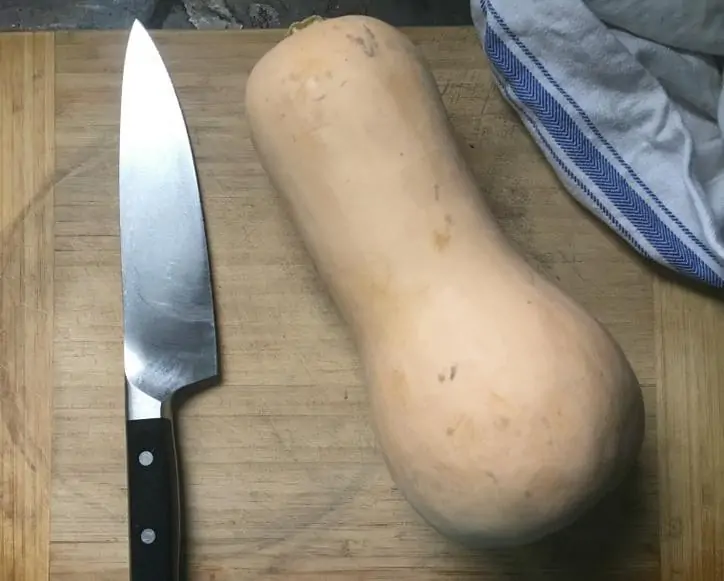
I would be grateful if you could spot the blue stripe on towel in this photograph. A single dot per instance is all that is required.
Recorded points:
(569, 138)
(612, 150)
(595, 200)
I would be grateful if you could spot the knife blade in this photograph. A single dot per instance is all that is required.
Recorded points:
(169, 330)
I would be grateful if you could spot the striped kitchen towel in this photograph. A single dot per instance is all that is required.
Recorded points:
(632, 125)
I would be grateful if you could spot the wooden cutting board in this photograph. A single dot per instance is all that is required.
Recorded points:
(283, 476)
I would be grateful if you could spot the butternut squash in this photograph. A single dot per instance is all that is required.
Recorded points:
(503, 409)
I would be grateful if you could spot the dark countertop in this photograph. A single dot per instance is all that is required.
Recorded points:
(101, 14)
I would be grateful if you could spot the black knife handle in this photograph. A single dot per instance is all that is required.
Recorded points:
(153, 500)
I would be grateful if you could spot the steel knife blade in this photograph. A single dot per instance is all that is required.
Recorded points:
(169, 330)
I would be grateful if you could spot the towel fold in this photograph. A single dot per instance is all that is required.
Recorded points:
(626, 101)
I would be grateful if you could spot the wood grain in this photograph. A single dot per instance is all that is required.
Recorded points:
(282, 473)
(26, 302)
(690, 341)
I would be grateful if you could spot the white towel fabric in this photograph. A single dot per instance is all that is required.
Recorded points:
(625, 100)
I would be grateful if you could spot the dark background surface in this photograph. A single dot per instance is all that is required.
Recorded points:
(99, 14)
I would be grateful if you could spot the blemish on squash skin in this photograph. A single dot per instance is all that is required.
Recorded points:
(360, 41)
(368, 43)
(498, 398)
(442, 239)
(443, 375)
(369, 32)
(502, 423)
(462, 420)
(490, 474)
(436, 189)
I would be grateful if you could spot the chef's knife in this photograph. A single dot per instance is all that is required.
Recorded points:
(168, 316)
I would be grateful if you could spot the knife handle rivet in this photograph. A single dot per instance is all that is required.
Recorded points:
(148, 536)
(145, 458)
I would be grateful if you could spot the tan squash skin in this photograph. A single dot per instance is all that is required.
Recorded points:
(502, 408)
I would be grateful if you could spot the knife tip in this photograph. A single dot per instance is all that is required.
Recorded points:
(137, 29)
(139, 41)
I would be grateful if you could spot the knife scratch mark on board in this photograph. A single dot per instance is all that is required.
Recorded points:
(303, 361)
(306, 516)
(221, 189)
(10, 412)
(275, 432)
